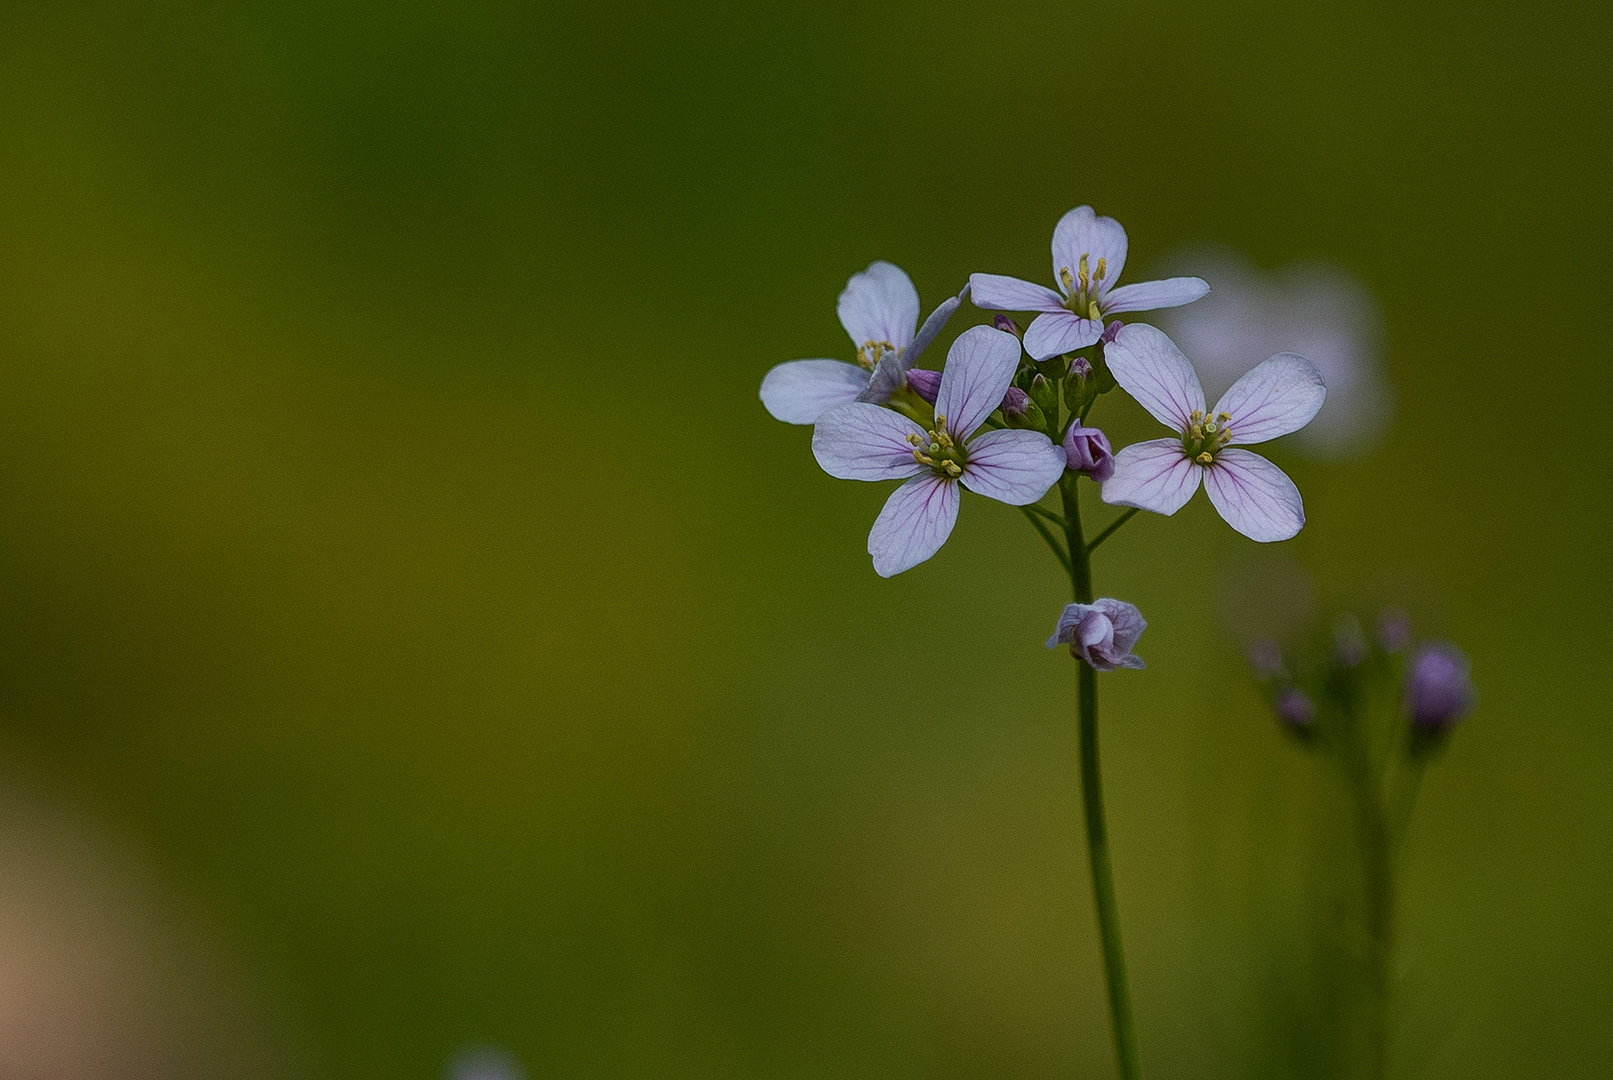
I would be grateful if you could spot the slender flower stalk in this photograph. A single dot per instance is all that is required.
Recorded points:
(1103, 880)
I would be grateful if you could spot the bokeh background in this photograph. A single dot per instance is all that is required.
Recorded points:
(417, 642)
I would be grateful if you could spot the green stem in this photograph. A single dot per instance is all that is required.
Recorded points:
(1113, 525)
(1375, 831)
(1103, 882)
(1045, 514)
(1052, 541)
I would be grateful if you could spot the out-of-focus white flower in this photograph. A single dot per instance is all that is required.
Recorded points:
(484, 1063)
(1321, 311)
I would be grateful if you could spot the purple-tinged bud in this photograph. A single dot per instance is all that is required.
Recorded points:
(1080, 368)
(1294, 708)
(926, 384)
(1111, 332)
(1021, 411)
(1438, 690)
(1349, 643)
(1003, 322)
(1266, 659)
(1086, 450)
(1394, 629)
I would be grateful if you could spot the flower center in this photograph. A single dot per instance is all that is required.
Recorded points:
(869, 355)
(1081, 288)
(940, 451)
(1204, 436)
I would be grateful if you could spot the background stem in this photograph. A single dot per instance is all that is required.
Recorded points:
(1103, 884)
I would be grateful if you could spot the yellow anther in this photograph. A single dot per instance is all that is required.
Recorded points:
(923, 459)
(1093, 312)
(951, 468)
(1196, 415)
(1086, 279)
(1224, 418)
(944, 439)
(1097, 277)
(914, 440)
(1205, 458)
(940, 421)
(1066, 279)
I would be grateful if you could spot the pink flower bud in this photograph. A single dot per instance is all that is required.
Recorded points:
(926, 384)
(1087, 451)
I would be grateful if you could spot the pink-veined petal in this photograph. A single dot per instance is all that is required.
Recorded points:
(1254, 496)
(1153, 295)
(865, 442)
(1060, 332)
(996, 292)
(880, 304)
(1012, 466)
(1154, 475)
(1128, 622)
(1150, 368)
(1083, 232)
(1275, 397)
(916, 521)
(800, 391)
(932, 326)
(980, 365)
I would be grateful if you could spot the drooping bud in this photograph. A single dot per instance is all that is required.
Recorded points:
(1394, 630)
(1111, 332)
(1021, 411)
(1438, 691)
(1294, 708)
(1046, 396)
(1102, 633)
(926, 384)
(1004, 323)
(1086, 450)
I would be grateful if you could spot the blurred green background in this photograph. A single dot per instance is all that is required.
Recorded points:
(395, 558)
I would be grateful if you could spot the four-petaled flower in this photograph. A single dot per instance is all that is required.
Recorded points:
(1253, 495)
(1088, 254)
(1102, 633)
(862, 441)
(879, 309)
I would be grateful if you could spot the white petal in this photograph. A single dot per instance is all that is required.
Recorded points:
(1083, 232)
(1150, 368)
(1015, 467)
(1152, 295)
(916, 521)
(1154, 475)
(880, 304)
(865, 442)
(1060, 332)
(1276, 397)
(997, 292)
(980, 365)
(1254, 496)
(800, 391)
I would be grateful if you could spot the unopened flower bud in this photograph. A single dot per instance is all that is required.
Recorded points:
(1394, 629)
(1111, 331)
(1265, 659)
(926, 384)
(1438, 690)
(1003, 322)
(1294, 708)
(1021, 411)
(1045, 394)
(1086, 450)
(1080, 388)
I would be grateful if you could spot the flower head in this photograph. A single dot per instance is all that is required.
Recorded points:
(1086, 450)
(1102, 633)
(879, 309)
(1253, 495)
(1088, 254)
(1438, 690)
(862, 441)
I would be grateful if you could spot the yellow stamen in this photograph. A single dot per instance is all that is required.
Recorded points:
(1086, 280)
(923, 459)
(952, 468)
(1205, 458)
(1097, 277)
(1066, 279)
(1224, 418)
